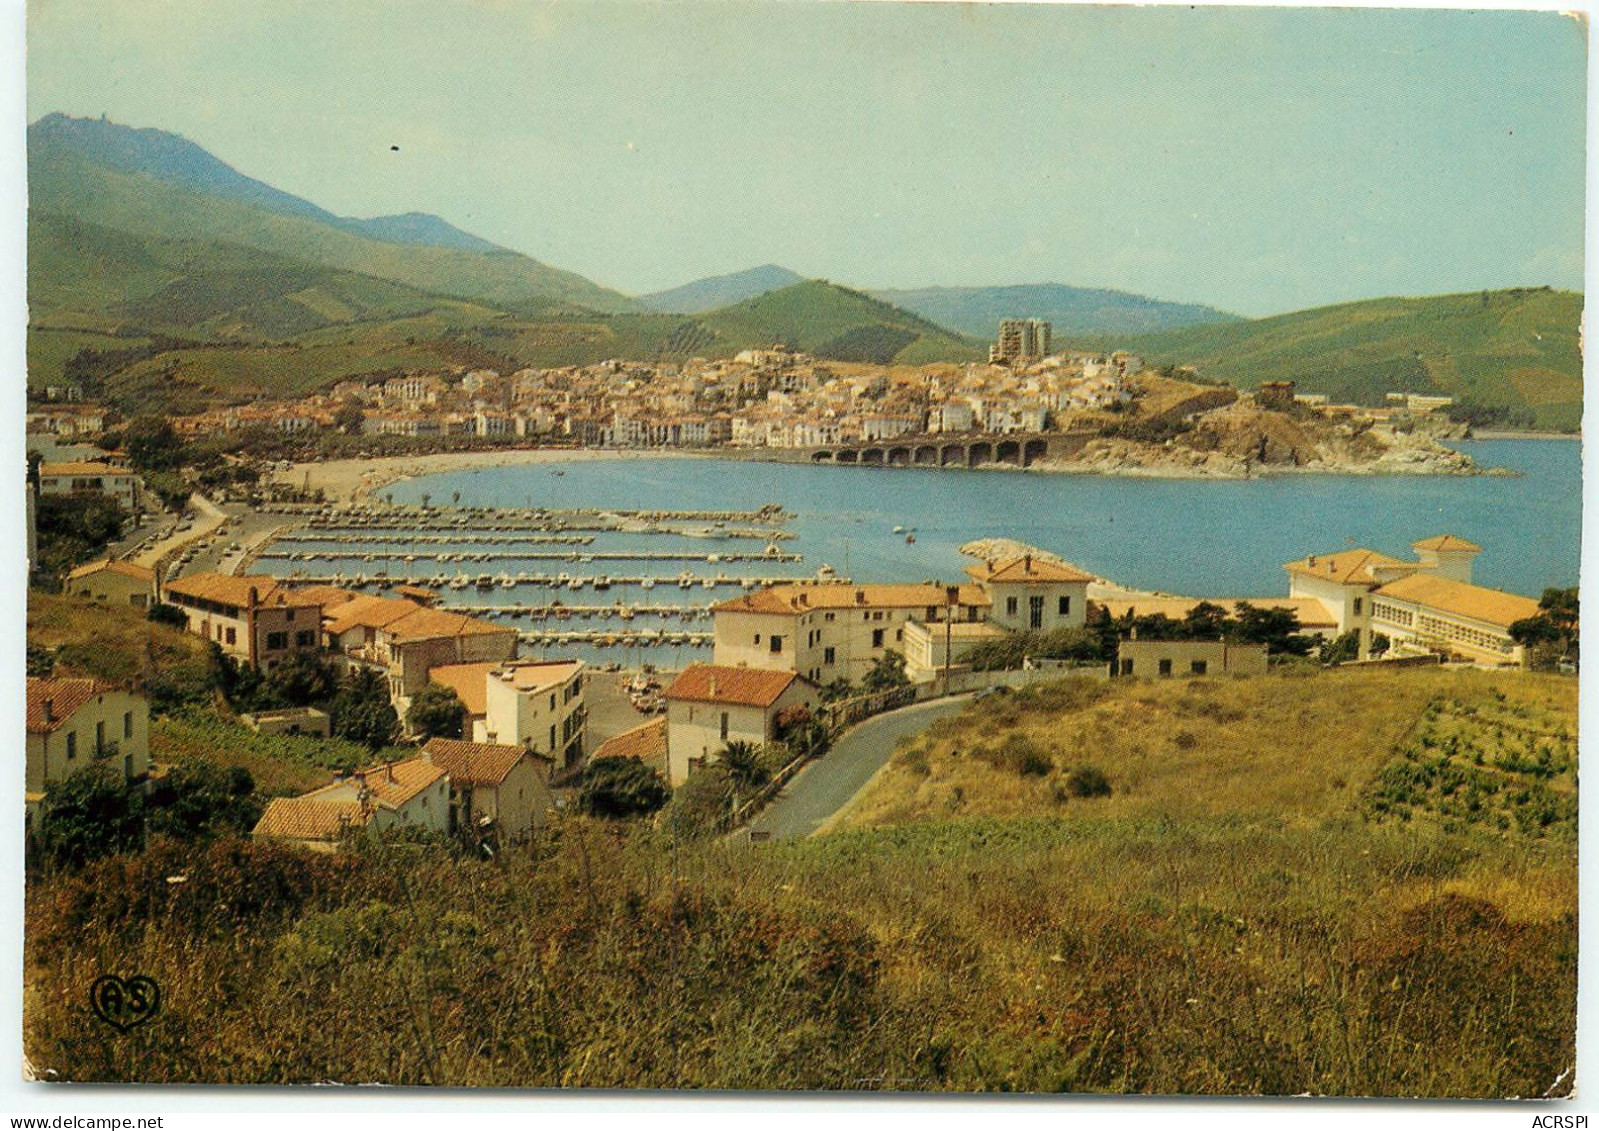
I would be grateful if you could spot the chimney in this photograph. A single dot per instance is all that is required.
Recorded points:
(389, 766)
(1311, 561)
(254, 598)
(860, 596)
(1027, 563)
(49, 710)
(713, 687)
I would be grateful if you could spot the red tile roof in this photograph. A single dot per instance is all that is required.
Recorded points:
(126, 569)
(1026, 570)
(227, 590)
(1446, 543)
(743, 687)
(392, 783)
(310, 818)
(1444, 595)
(1347, 567)
(646, 742)
(478, 763)
(468, 681)
(792, 600)
(63, 697)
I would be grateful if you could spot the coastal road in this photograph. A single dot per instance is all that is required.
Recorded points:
(827, 784)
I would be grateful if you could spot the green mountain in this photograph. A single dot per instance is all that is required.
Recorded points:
(837, 323)
(977, 311)
(721, 290)
(149, 184)
(1516, 350)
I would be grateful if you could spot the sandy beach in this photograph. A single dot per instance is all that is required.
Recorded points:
(355, 479)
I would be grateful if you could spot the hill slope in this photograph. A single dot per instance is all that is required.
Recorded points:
(163, 186)
(835, 322)
(1073, 310)
(1514, 349)
(721, 290)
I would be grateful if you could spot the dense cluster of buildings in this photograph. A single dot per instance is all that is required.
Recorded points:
(759, 398)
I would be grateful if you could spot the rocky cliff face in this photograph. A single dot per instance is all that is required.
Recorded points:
(1242, 439)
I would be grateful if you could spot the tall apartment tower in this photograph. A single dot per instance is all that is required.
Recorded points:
(1021, 340)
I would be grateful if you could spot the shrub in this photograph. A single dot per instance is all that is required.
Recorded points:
(1088, 781)
(620, 788)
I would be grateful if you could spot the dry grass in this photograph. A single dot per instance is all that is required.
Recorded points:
(1286, 748)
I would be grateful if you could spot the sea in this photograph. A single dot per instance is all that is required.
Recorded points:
(1194, 537)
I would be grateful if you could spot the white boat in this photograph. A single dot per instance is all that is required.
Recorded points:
(899, 530)
(461, 581)
(507, 581)
(709, 583)
(575, 583)
(647, 583)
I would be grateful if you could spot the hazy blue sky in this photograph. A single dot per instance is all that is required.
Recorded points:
(1259, 160)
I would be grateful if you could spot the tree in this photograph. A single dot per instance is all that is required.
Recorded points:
(1277, 628)
(1342, 649)
(886, 672)
(835, 689)
(200, 800)
(169, 615)
(91, 814)
(436, 712)
(349, 418)
(362, 711)
(152, 444)
(1205, 621)
(742, 762)
(1380, 644)
(620, 788)
(300, 680)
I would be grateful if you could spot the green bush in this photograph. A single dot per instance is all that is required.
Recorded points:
(1088, 781)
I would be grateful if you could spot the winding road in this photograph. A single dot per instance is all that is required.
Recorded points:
(827, 784)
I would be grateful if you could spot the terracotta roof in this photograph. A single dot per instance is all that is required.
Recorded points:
(743, 687)
(467, 681)
(367, 611)
(227, 590)
(646, 742)
(330, 597)
(1310, 612)
(478, 763)
(1347, 567)
(1446, 542)
(64, 696)
(82, 467)
(1025, 570)
(126, 569)
(392, 783)
(792, 600)
(1489, 605)
(430, 624)
(310, 818)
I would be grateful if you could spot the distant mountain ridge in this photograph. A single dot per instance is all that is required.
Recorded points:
(152, 183)
(718, 291)
(1518, 350)
(1073, 311)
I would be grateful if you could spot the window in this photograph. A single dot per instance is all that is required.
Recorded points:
(877, 638)
(1127, 667)
(552, 739)
(1065, 607)
(127, 724)
(724, 726)
(828, 617)
(1165, 667)
(757, 639)
(828, 655)
(899, 634)
(777, 644)
(305, 638)
(277, 640)
(291, 614)
(72, 744)
(552, 702)
(1035, 613)
(1357, 606)
(99, 738)
(1010, 606)
(1199, 667)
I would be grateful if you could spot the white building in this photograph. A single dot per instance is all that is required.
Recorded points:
(77, 723)
(709, 706)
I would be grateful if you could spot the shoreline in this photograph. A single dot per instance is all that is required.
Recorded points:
(1497, 434)
(355, 480)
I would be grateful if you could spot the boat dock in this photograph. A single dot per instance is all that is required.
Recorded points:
(770, 554)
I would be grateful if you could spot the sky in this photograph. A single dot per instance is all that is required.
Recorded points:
(1258, 160)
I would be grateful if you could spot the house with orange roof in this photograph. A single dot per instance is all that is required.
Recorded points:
(1033, 594)
(76, 723)
(1428, 605)
(1431, 612)
(536, 704)
(710, 705)
(414, 793)
(86, 477)
(825, 630)
(496, 789)
(112, 582)
(252, 618)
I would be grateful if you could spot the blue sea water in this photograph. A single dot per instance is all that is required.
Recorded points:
(1194, 537)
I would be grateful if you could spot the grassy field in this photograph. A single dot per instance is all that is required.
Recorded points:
(1517, 349)
(1238, 916)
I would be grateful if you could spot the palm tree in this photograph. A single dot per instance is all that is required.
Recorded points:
(744, 769)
